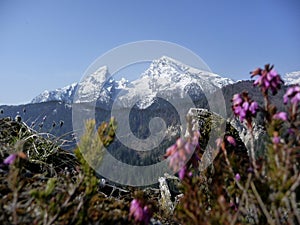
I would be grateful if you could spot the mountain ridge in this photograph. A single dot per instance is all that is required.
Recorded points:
(164, 77)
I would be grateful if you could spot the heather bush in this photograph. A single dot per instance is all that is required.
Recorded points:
(265, 190)
(43, 184)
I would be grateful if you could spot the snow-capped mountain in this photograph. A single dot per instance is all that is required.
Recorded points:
(169, 78)
(292, 78)
(165, 78)
(64, 94)
(95, 85)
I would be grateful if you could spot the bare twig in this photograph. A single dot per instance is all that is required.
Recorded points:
(294, 207)
(261, 204)
(244, 196)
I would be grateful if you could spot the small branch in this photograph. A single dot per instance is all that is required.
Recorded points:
(287, 164)
(77, 210)
(296, 184)
(14, 206)
(294, 206)
(261, 204)
(252, 154)
(276, 214)
(243, 198)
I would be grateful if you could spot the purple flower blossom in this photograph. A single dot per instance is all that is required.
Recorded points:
(146, 215)
(180, 152)
(136, 210)
(243, 107)
(239, 111)
(195, 138)
(233, 206)
(237, 177)
(268, 79)
(276, 140)
(250, 170)
(139, 212)
(231, 140)
(253, 107)
(291, 131)
(292, 94)
(182, 173)
(281, 116)
(236, 99)
(10, 159)
(295, 99)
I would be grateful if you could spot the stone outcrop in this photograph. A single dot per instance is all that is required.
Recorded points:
(211, 127)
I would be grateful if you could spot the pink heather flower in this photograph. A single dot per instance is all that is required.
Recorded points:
(195, 138)
(231, 140)
(292, 94)
(189, 147)
(139, 212)
(10, 159)
(281, 116)
(243, 107)
(233, 206)
(182, 173)
(268, 79)
(146, 215)
(239, 111)
(237, 100)
(176, 157)
(295, 99)
(136, 210)
(179, 153)
(237, 177)
(253, 107)
(180, 142)
(276, 140)
(171, 150)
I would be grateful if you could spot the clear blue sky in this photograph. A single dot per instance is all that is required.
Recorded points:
(49, 44)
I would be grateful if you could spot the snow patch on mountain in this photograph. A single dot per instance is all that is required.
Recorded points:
(121, 84)
(292, 78)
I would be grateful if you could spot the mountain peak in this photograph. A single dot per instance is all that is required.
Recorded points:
(178, 71)
(89, 88)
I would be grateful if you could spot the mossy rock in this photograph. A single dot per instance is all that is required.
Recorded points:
(212, 126)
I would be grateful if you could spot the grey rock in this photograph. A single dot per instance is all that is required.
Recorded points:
(212, 127)
(259, 135)
(165, 200)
